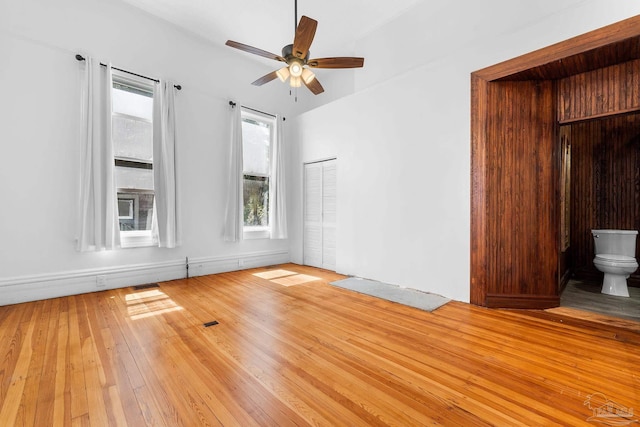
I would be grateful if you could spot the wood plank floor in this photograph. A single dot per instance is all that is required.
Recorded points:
(289, 349)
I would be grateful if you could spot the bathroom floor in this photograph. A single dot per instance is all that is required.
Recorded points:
(587, 296)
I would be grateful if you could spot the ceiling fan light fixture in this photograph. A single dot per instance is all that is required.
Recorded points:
(295, 81)
(307, 75)
(295, 68)
(283, 74)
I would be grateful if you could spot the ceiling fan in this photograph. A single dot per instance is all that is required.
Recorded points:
(296, 56)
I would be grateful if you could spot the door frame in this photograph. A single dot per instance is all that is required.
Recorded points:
(493, 281)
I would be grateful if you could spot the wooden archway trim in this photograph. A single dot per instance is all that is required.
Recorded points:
(610, 45)
(515, 165)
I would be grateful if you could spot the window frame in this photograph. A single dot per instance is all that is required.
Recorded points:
(134, 238)
(264, 231)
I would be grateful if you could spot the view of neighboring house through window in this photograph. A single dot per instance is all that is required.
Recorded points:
(257, 138)
(132, 133)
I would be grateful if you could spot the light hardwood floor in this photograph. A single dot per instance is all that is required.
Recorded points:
(289, 349)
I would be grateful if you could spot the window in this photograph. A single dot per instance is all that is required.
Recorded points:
(257, 142)
(132, 133)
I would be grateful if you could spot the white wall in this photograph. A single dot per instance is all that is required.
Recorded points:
(39, 129)
(402, 140)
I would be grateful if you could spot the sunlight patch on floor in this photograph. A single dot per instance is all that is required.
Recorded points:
(286, 277)
(298, 279)
(146, 296)
(274, 274)
(149, 303)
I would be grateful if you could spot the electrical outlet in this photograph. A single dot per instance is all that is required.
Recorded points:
(101, 281)
(240, 263)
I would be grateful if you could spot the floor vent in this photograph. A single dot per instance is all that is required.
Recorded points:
(212, 323)
(147, 286)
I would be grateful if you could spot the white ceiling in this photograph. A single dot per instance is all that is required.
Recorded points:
(269, 25)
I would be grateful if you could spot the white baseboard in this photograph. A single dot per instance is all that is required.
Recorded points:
(16, 290)
(215, 265)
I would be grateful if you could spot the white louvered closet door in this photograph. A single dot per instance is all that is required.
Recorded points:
(320, 214)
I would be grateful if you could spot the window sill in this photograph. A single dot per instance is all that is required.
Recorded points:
(137, 239)
(252, 233)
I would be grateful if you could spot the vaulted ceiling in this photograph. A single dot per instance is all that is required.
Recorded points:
(269, 25)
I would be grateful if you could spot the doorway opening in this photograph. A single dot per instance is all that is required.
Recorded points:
(517, 110)
(604, 189)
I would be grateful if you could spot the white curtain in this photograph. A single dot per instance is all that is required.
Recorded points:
(233, 223)
(98, 227)
(277, 196)
(166, 226)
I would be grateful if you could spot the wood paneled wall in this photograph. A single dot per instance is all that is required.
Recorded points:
(610, 90)
(520, 193)
(605, 169)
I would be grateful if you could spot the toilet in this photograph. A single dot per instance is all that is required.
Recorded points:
(615, 257)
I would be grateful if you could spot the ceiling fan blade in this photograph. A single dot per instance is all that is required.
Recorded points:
(305, 31)
(265, 79)
(254, 50)
(338, 62)
(314, 86)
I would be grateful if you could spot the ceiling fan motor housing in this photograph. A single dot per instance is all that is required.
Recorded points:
(287, 53)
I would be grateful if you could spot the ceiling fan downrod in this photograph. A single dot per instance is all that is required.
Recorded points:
(295, 16)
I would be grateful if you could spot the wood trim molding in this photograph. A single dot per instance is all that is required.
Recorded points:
(601, 37)
(522, 301)
(478, 256)
(632, 110)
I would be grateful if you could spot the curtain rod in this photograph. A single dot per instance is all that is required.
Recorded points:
(233, 104)
(81, 58)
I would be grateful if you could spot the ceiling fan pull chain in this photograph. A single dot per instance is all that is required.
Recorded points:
(291, 93)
